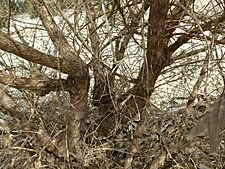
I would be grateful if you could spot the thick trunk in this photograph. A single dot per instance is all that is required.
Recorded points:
(157, 58)
(79, 100)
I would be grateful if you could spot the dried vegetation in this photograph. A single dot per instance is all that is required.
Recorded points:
(113, 84)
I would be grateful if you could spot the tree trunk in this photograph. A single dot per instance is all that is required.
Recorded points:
(76, 115)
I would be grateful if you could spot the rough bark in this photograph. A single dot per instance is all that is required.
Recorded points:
(115, 110)
(78, 99)
(24, 51)
(77, 67)
(157, 57)
(39, 83)
(78, 78)
(68, 62)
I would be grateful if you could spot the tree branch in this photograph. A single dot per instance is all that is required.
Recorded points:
(192, 33)
(50, 25)
(70, 67)
(39, 84)
(30, 54)
(59, 40)
(156, 59)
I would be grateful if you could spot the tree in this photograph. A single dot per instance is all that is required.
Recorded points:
(97, 49)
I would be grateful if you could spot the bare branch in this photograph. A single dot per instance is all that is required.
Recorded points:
(70, 67)
(156, 59)
(52, 28)
(59, 40)
(39, 84)
(192, 33)
(26, 52)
